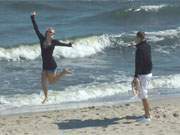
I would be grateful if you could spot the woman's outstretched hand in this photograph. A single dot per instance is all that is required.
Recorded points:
(34, 13)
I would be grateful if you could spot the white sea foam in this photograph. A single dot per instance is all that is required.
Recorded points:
(147, 8)
(21, 52)
(84, 47)
(155, 36)
(159, 36)
(83, 92)
(170, 81)
(171, 33)
(153, 7)
(71, 94)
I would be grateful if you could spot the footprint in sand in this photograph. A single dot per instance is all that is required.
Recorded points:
(175, 115)
(45, 116)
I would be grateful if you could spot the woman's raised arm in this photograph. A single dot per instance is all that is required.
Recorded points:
(36, 29)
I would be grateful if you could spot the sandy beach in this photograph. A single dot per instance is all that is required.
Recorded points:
(97, 120)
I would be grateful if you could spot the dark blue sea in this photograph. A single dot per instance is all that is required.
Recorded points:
(102, 62)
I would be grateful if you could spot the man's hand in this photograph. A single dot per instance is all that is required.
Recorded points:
(132, 44)
(135, 80)
(70, 44)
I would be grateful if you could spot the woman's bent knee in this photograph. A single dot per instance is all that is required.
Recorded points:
(51, 78)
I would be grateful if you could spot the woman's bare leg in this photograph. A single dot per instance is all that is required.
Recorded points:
(44, 83)
(53, 78)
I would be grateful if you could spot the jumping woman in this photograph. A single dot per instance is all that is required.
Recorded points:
(49, 74)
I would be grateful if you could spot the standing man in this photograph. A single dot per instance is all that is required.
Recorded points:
(143, 71)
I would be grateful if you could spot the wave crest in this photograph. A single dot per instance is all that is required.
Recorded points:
(82, 47)
(91, 45)
(148, 8)
(21, 52)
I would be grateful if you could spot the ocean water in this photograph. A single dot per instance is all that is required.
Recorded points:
(102, 62)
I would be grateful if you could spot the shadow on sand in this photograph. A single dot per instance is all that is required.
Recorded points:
(76, 123)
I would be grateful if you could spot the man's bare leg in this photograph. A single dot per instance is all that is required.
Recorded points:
(146, 108)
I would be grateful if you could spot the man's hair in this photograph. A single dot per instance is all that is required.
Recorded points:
(141, 35)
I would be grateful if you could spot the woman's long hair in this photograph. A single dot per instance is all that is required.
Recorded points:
(48, 40)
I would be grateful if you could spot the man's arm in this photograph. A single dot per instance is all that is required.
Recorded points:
(138, 62)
